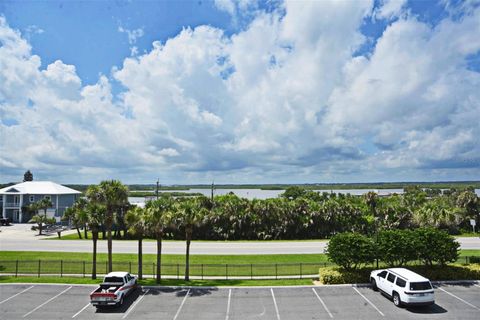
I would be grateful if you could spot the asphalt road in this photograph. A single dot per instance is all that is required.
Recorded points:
(296, 303)
(178, 247)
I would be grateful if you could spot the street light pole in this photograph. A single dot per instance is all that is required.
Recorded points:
(158, 181)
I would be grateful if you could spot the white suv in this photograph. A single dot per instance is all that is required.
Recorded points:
(403, 286)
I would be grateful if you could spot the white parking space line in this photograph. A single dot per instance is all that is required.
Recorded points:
(228, 303)
(181, 305)
(275, 303)
(323, 303)
(374, 306)
(466, 302)
(26, 314)
(16, 294)
(76, 314)
(134, 305)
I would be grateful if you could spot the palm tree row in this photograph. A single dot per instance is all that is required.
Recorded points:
(296, 216)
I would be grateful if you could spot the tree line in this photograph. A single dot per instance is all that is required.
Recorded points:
(296, 214)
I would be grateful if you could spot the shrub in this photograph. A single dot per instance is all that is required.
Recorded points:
(350, 250)
(450, 272)
(474, 259)
(434, 245)
(335, 275)
(396, 247)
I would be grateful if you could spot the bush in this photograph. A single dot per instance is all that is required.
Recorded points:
(350, 250)
(396, 247)
(335, 275)
(474, 259)
(434, 245)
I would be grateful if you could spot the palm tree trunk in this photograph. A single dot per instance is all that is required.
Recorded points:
(109, 248)
(85, 231)
(108, 226)
(187, 259)
(79, 233)
(94, 260)
(140, 273)
(159, 258)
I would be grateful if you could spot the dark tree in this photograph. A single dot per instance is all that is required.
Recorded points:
(27, 176)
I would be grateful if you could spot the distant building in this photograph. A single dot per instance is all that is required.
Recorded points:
(14, 200)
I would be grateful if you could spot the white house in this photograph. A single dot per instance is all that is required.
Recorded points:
(14, 200)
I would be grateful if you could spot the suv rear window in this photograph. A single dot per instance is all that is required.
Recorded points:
(414, 286)
(113, 279)
(391, 277)
(401, 283)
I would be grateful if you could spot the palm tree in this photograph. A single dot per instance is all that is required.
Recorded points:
(113, 195)
(43, 204)
(159, 216)
(78, 216)
(96, 216)
(70, 215)
(189, 213)
(136, 221)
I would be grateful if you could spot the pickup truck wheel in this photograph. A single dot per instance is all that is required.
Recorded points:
(396, 300)
(374, 284)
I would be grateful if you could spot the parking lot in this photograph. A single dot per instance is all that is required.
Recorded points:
(324, 302)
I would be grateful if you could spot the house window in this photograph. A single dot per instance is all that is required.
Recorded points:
(47, 197)
(32, 198)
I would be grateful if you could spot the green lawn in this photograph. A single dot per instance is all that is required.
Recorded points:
(166, 258)
(200, 265)
(468, 235)
(69, 263)
(164, 282)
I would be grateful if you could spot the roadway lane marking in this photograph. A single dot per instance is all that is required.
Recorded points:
(181, 305)
(368, 301)
(26, 314)
(228, 303)
(76, 314)
(323, 303)
(466, 302)
(16, 294)
(275, 303)
(134, 305)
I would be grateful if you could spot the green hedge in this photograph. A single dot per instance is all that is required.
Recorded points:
(394, 247)
(335, 275)
(474, 259)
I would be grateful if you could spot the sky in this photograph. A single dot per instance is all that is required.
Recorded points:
(241, 91)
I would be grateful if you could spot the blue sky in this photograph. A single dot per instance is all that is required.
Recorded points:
(240, 91)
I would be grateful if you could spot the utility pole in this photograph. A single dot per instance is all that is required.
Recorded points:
(158, 181)
(213, 186)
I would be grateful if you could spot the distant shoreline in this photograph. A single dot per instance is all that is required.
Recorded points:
(308, 186)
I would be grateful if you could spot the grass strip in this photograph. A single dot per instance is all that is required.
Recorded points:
(167, 258)
(165, 282)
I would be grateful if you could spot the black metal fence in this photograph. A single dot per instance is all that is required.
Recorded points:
(200, 271)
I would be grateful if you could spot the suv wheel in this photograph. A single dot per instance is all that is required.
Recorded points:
(120, 303)
(374, 284)
(396, 300)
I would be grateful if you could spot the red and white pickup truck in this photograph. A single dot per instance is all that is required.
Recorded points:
(115, 287)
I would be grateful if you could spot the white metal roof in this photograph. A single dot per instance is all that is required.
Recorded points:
(38, 187)
(408, 274)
